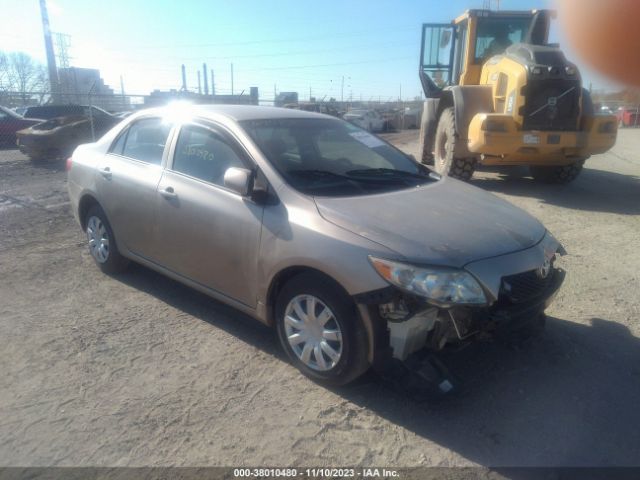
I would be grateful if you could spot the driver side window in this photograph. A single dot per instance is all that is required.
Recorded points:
(204, 154)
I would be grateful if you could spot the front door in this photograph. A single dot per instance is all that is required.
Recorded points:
(207, 233)
(436, 57)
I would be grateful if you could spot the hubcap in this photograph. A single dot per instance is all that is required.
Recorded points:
(98, 239)
(313, 332)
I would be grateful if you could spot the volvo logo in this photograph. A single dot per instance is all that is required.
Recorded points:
(544, 270)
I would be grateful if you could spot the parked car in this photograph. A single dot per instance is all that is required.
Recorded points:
(48, 112)
(304, 222)
(66, 127)
(20, 110)
(367, 119)
(627, 117)
(10, 123)
(411, 117)
(318, 108)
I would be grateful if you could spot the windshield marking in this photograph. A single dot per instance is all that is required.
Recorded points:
(367, 139)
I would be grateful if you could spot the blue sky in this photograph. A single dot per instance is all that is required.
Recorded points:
(292, 45)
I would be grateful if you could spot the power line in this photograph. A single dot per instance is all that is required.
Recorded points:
(371, 32)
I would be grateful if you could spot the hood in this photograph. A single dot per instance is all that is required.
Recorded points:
(447, 222)
(60, 122)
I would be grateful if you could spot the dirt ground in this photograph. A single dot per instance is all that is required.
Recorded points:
(138, 370)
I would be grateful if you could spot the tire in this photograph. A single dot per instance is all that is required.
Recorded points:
(343, 332)
(98, 229)
(557, 175)
(444, 146)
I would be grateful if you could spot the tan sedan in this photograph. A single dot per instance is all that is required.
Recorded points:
(357, 254)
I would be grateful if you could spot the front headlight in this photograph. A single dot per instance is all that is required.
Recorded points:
(440, 286)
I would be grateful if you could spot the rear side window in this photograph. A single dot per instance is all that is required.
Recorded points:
(144, 140)
(205, 155)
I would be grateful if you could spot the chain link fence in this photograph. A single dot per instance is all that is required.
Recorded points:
(627, 113)
(43, 129)
(43, 126)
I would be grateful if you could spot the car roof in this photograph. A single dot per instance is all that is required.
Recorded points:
(238, 113)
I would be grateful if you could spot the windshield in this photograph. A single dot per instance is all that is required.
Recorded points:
(333, 158)
(496, 34)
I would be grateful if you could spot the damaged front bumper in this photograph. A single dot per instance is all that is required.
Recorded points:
(404, 323)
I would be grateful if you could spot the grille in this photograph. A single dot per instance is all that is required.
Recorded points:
(525, 287)
(552, 104)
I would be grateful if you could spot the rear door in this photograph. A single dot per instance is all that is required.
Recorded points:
(207, 233)
(127, 179)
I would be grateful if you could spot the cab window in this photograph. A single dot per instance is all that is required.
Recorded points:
(496, 34)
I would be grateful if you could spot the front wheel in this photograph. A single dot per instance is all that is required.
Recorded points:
(320, 330)
(444, 147)
(557, 174)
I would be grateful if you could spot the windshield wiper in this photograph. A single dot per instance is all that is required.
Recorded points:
(318, 173)
(386, 172)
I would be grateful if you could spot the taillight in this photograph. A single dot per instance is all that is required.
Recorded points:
(68, 164)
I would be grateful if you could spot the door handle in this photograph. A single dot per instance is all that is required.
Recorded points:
(106, 173)
(168, 193)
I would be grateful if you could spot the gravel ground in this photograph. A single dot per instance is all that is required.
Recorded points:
(138, 370)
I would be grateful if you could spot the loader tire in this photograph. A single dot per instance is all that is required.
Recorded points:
(444, 148)
(557, 175)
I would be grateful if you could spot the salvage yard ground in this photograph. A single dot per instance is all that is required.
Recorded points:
(138, 370)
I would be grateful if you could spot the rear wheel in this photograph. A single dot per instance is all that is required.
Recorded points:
(557, 174)
(445, 142)
(102, 242)
(320, 330)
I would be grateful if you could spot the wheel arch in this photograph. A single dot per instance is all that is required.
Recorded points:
(467, 101)
(285, 275)
(86, 202)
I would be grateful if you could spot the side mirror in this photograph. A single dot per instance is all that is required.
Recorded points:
(238, 180)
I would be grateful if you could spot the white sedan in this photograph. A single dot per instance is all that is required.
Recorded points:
(367, 119)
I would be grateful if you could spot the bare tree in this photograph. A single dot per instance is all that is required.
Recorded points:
(23, 76)
(4, 70)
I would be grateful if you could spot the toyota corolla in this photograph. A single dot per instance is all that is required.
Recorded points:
(352, 250)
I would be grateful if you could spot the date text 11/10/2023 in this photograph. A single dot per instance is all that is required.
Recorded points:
(320, 472)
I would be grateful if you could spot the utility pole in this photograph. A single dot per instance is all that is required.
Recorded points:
(48, 46)
(232, 79)
(122, 92)
(206, 79)
(184, 78)
(199, 85)
(400, 97)
(213, 84)
(342, 90)
(309, 93)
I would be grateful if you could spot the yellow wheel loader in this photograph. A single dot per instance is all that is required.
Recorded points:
(497, 93)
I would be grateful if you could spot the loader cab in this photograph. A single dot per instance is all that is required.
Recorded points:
(454, 53)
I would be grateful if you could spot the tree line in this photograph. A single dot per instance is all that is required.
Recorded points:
(22, 78)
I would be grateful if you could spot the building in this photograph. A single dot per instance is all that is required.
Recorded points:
(158, 98)
(85, 86)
